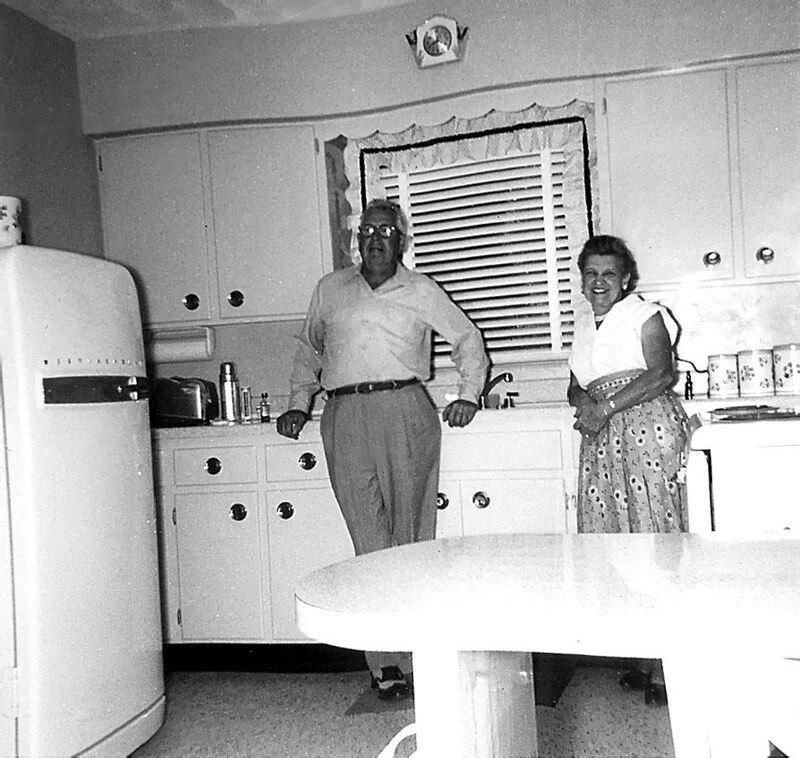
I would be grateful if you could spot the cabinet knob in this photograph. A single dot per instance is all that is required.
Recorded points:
(238, 512)
(712, 258)
(481, 500)
(213, 466)
(442, 501)
(307, 461)
(285, 510)
(765, 255)
(235, 298)
(191, 302)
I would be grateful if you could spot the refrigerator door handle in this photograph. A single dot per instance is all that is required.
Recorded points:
(61, 390)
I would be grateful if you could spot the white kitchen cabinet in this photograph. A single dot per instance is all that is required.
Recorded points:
(768, 119)
(703, 170)
(266, 219)
(214, 566)
(449, 522)
(216, 225)
(509, 471)
(219, 566)
(154, 222)
(506, 505)
(244, 513)
(306, 527)
(306, 532)
(669, 172)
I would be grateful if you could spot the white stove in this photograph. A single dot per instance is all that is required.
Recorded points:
(743, 474)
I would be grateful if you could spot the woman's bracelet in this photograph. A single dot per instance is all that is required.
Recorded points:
(612, 407)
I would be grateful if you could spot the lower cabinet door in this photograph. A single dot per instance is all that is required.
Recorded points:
(306, 532)
(220, 569)
(495, 506)
(448, 509)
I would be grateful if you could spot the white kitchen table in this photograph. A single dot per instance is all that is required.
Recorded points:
(718, 612)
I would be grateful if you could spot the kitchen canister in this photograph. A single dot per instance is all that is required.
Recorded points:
(786, 362)
(723, 375)
(10, 221)
(755, 373)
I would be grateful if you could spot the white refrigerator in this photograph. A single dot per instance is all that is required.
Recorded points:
(80, 626)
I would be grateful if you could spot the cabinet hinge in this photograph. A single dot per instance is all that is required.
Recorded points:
(316, 145)
(180, 617)
(9, 681)
(605, 106)
(175, 516)
(99, 162)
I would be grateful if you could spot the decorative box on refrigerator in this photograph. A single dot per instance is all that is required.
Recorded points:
(80, 628)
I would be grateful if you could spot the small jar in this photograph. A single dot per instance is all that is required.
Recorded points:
(723, 375)
(755, 373)
(786, 367)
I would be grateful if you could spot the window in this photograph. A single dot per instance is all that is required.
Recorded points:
(497, 215)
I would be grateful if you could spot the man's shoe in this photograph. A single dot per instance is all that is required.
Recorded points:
(655, 693)
(391, 684)
(635, 680)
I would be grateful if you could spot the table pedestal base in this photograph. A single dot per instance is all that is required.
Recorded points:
(474, 704)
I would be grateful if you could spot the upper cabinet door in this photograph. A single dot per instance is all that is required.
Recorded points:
(669, 174)
(266, 219)
(154, 222)
(768, 111)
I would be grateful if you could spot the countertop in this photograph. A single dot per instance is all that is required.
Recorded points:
(486, 419)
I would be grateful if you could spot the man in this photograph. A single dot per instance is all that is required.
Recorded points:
(367, 340)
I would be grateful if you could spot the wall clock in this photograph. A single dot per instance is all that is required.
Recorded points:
(439, 39)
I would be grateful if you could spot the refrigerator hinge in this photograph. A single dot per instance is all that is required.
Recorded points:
(175, 516)
(9, 685)
(180, 617)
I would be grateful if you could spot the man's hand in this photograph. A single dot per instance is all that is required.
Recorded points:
(291, 423)
(459, 412)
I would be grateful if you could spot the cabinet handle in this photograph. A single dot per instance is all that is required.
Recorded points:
(238, 512)
(481, 500)
(442, 501)
(712, 258)
(765, 255)
(235, 298)
(191, 302)
(307, 461)
(213, 466)
(285, 510)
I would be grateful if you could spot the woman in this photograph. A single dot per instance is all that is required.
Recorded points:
(634, 430)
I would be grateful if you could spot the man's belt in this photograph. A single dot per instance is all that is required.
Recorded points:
(365, 387)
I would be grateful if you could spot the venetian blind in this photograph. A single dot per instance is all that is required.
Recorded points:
(493, 234)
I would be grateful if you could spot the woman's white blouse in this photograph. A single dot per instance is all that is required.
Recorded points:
(616, 345)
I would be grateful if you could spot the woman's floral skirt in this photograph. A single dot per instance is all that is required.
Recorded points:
(632, 474)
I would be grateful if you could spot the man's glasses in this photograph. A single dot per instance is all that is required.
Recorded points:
(384, 230)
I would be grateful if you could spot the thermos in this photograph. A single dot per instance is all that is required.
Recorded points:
(229, 392)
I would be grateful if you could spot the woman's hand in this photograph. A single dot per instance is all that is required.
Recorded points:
(590, 418)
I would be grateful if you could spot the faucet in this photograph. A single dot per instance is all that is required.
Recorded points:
(506, 376)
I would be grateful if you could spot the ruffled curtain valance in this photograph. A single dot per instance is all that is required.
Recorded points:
(458, 140)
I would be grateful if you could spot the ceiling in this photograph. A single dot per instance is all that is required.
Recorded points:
(85, 19)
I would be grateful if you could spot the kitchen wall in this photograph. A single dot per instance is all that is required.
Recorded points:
(46, 159)
(355, 73)
(357, 63)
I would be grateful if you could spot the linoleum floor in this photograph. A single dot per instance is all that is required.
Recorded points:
(303, 715)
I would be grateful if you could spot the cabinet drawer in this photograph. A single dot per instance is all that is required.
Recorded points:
(223, 465)
(502, 451)
(303, 460)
